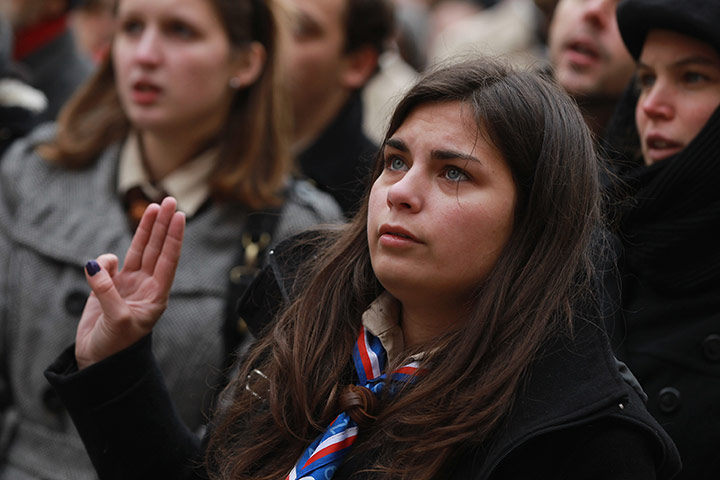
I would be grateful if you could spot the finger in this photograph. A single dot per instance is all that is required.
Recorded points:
(157, 236)
(170, 255)
(109, 262)
(102, 285)
(133, 258)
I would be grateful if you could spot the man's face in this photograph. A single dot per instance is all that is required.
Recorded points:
(22, 13)
(587, 51)
(314, 55)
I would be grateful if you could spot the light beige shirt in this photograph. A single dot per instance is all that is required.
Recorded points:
(382, 319)
(188, 184)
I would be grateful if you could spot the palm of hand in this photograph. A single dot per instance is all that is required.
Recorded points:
(125, 305)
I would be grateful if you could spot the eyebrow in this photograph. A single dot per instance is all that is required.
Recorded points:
(696, 60)
(436, 154)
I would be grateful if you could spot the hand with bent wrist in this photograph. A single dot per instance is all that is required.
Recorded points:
(125, 304)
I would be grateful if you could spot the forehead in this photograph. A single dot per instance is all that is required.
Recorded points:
(583, 4)
(450, 124)
(670, 46)
(324, 12)
(200, 9)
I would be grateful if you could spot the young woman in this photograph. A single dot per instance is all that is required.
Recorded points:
(187, 106)
(447, 332)
(668, 325)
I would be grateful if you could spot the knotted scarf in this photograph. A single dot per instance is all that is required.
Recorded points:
(325, 454)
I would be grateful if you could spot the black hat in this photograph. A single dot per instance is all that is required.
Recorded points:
(695, 18)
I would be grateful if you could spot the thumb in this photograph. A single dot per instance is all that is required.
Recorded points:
(102, 284)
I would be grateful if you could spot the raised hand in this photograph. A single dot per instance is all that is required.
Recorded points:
(125, 305)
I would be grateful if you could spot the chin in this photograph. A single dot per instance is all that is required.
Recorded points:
(147, 122)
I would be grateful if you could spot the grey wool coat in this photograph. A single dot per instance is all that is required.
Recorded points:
(52, 221)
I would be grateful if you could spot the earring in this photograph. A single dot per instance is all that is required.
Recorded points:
(235, 83)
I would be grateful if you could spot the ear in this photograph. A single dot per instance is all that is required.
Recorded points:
(358, 66)
(249, 63)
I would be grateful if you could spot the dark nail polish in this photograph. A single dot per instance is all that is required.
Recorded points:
(92, 267)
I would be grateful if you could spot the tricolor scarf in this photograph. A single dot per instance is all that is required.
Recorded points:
(324, 455)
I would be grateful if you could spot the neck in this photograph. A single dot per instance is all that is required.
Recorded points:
(423, 323)
(163, 154)
(308, 127)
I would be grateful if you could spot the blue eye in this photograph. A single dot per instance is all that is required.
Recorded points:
(455, 174)
(395, 164)
(694, 77)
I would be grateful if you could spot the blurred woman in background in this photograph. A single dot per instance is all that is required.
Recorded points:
(186, 105)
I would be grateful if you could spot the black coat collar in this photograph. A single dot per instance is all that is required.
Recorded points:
(339, 161)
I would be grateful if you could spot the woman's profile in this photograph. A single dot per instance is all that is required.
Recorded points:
(667, 324)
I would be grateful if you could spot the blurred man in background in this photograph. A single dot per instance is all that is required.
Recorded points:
(589, 57)
(43, 45)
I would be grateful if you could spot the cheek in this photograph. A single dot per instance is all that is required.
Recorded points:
(203, 74)
(119, 59)
(486, 232)
(376, 203)
(698, 115)
(639, 118)
(120, 72)
(300, 59)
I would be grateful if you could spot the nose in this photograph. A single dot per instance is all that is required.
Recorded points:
(147, 49)
(599, 13)
(656, 102)
(407, 193)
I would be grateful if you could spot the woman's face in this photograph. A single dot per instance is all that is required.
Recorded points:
(442, 209)
(173, 63)
(679, 79)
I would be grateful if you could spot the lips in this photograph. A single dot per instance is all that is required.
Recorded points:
(395, 231)
(145, 92)
(584, 48)
(582, 52)
(658, 147)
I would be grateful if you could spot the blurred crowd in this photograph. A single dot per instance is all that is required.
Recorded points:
(272, 125)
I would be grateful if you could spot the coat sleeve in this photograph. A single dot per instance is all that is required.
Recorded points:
(5, 395)
(10, 169)
(125, 417)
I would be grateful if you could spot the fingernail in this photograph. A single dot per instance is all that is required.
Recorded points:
(92, 267)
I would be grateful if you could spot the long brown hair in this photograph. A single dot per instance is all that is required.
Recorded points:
(254, 158)
(534, 290)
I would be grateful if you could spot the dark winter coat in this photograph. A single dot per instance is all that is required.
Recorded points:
(667, 323)
(576, 418)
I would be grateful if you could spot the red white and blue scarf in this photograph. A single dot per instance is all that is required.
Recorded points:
(326, 453)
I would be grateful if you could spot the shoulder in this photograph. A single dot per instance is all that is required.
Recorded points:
(40, 195)
(21, 162)
(303, 195)
(575, 394)
(306, 207)
(605, 449)
(25, 146)
(275, 283)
